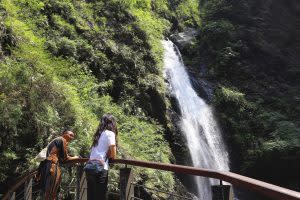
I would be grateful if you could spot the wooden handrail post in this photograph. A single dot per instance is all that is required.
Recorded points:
(79, 173)
(222, 192)
(28, 189)
(13, 196)
(126, 188)
(83, 188)
(172, 197)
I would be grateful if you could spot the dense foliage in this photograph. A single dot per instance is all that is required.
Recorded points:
(65, 63)
(250, 54)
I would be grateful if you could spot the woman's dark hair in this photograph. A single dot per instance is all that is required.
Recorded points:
(108, 122)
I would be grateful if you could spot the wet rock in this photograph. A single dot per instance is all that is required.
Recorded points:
(184, 39)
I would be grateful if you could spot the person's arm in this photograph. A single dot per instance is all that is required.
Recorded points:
(72, 158)
(65, 154)
(112, 151)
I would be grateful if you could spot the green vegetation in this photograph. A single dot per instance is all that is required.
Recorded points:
(256, 93)
(64, 63)
(187, 11)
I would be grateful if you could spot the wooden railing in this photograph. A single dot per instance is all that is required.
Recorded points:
(267, 189)
(11, 192)
(270, 190)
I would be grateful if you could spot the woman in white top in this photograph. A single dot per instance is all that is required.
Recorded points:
(103, 148)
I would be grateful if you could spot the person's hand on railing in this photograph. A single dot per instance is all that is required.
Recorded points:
(79, 160)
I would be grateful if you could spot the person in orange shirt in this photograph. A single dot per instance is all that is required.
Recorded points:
(49, 172)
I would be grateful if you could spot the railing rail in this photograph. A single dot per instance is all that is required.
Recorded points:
(20, 182)
(267, 189)
(270, 190)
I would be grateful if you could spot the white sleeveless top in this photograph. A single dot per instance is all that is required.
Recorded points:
(99, 152)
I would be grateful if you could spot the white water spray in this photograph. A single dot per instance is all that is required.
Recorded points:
(201, 131)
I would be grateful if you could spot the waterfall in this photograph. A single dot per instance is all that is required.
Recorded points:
(198, 125)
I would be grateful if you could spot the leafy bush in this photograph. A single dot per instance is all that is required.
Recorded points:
(230, 96)
(63, 8)
(217, 33)
(188, 11)
(64, 27)
(66, 47)
(161, 7)
(216, 10)
(85, 51)
(52, 47)
(154, 29)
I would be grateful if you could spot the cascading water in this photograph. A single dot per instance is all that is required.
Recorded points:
(201, 131)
